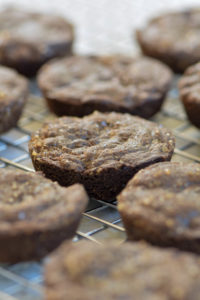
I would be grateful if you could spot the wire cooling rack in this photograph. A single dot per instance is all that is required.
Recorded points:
(101, 221)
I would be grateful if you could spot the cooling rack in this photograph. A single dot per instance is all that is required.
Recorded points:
(101, 221)
(98, 30)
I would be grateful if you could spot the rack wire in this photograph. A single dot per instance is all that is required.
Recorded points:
(101, 221)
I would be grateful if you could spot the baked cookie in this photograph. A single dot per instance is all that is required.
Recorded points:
(101, 151)
(189, 89)
(79, 85)
(36, 214)
(86, 271)
(161, 205)
(173, 38)
(29, 39)
(13, 95)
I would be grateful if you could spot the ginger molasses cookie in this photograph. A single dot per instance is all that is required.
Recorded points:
(13, 95)
(36, 214)
(189, 88)
(161, 205)
(102, 151)
(173, 38)
(79, 85)
(86, 271)
(29, 39)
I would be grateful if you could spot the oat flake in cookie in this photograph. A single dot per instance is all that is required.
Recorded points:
(189, 88)
(13, 95)
(173, 38)
(101, 151)
(161, 205)
(79, 85)
(86, 271)
(36, 214)
(29, 39)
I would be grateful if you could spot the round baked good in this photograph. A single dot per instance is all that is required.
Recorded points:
(86, 271)
(173, 38)
(13, 95)
(101, 151)
(189, 89)
(36, 214)
(29, 39)
(79, 85)
(161, 205)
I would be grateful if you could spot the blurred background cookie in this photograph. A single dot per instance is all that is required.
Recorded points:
(28, 39)
(189, 89)
(173, 38)
(13, 96)
(81, 84)
(86, 271)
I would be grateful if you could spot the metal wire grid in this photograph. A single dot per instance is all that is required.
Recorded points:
(101, 221)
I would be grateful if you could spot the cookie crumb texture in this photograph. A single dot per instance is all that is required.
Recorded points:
(101, 151)
(29, 39)
(161, 205)
(85, 271)
(189, 88)
(36, 214)
(79, 85)
(13, 96)
(173, 38)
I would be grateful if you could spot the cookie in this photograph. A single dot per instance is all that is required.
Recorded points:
(36, 214)
(173, 38)
(86, 271)
(13, 95)
(79, 85)
(101, 151)
(189, 87)
(161, 205)
(29, 39)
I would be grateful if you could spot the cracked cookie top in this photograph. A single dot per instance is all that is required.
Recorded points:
(100, 141)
